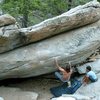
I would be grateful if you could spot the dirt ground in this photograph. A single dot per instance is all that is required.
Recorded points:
(40, 85)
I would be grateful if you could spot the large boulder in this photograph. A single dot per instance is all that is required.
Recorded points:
(76, 17)
(38, 58)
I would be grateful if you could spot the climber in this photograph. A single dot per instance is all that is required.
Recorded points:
(64, 74)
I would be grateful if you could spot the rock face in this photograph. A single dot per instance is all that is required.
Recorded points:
(38, 58)
(8, 33)
(93, 87)
(94, 65)
(76, 17)
(64, 98)
(72, 97)
(9, 37)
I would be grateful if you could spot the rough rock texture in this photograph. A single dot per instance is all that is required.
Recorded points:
(38, 58)
(76, 17)
(64, 98)
(9, 38)
(6, 20)
(91, 90)
(94, 65)
(77, 97)
(9, 34)
(9, 93)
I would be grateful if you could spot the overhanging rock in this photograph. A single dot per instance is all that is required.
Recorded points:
(38, 58)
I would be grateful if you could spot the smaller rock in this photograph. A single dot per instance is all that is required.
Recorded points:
(9, 93)
(6, 20)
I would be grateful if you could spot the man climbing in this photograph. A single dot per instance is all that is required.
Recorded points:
(90, 76)
(64, 74)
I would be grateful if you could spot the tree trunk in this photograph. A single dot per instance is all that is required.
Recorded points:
(25, 13)
(69, 4)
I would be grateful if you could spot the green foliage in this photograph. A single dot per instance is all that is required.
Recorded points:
(80, 2)
(11, 7)
(98, 0)
(35, 11)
